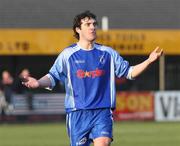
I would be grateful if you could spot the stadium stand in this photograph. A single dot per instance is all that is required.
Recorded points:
(59, 14)
(42, 104)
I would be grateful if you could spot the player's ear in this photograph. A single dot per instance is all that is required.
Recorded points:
(78, 29)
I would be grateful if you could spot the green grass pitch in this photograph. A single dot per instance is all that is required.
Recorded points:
(125, 134)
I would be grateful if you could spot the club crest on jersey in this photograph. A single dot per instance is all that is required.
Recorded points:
(90, 74)
(102, 59)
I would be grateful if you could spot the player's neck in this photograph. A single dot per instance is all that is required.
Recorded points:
(86, 45)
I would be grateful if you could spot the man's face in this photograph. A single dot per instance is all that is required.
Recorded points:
(88, 28)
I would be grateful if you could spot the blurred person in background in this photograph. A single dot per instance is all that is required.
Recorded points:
(3, 104)
(7, 89)
(88, 71)
(20, 89)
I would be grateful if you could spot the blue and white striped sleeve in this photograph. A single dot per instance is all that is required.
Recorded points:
(122, 67)
(58, 71)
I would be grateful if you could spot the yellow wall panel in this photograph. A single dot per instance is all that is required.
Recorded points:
(52, 41)
(34, 41)
(142, 42)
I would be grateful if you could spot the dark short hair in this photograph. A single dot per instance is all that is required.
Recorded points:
(77, 21)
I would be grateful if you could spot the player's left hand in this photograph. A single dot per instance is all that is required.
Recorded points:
(155, 54)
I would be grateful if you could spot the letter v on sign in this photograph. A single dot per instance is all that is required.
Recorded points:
(166, 108)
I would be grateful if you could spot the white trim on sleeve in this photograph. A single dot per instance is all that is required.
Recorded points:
(129, 75)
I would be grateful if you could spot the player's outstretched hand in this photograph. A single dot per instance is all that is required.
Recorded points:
(155, 54)
(30, 82)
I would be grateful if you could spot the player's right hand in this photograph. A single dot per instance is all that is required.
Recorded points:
(30, 82)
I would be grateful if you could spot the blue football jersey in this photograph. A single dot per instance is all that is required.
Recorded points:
(89, 76)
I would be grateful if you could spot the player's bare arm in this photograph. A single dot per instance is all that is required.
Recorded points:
(139, 68)
(31, 82)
